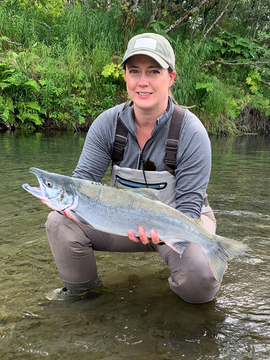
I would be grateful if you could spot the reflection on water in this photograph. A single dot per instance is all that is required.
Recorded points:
(138, 316)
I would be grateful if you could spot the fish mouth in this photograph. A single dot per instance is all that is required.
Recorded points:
(37, 192)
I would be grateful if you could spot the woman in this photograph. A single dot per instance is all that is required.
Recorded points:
(149, 67)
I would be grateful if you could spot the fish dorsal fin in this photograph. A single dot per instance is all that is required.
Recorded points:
(146, 192)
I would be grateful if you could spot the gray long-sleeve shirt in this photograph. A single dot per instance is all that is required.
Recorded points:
(193, 161)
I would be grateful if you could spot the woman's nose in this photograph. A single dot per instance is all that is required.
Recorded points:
(143, 81)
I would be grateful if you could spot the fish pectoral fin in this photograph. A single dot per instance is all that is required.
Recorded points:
(82, 221)
(74, 216)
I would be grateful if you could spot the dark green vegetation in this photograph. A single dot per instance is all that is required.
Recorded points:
(59, 61)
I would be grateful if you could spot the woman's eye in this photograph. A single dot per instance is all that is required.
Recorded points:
(48, 184)
(155, 72)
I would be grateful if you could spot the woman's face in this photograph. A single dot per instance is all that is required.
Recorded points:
(148, 83)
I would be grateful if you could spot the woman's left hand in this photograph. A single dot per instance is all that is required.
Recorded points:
(143, 238)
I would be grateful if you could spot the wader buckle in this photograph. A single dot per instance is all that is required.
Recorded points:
(171, 151)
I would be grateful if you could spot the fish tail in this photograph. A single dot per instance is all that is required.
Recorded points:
(230, 247)
(226, 249)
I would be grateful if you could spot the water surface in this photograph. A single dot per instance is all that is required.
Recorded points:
(138, 316)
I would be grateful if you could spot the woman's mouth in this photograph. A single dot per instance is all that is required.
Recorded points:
(144, 93)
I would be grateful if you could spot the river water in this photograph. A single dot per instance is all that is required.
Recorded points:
(136, 315)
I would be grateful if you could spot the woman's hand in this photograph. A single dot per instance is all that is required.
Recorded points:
(143, 238)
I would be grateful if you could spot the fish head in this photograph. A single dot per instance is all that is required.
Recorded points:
(56, 191)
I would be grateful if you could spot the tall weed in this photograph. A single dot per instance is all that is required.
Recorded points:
(65, 58)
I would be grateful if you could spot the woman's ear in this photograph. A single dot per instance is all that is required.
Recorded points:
(172, 77)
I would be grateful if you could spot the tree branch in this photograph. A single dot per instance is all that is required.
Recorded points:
(12, 42)
(265, 82)
(217, 19)
(232, 63)
(156, 10)
(128, 12)
(185, 16)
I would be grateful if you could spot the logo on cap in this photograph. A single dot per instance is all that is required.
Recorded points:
(146, 43)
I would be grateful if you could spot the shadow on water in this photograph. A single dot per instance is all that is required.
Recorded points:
(136, 315)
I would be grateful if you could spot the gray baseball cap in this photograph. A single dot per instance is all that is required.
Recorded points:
(153, 45)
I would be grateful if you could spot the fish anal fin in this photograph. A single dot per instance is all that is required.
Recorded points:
(178, 246)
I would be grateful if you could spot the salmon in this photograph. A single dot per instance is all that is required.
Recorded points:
(116, 210)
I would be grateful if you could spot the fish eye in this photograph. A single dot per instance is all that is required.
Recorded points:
(49, 184)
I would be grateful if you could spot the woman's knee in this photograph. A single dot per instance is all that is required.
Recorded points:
(191, 277)
(64, 230)
(54, 219)
(195, 287)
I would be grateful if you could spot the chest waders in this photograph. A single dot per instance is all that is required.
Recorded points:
(164, 181)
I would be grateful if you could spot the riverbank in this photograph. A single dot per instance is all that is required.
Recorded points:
(250, 121)
(61, 72)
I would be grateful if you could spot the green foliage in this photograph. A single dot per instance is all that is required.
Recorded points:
(113, 72)
(65, 62)
(233, 109)
(114, 85)
(188, 62)
(206, 87)
(217, 108)
(254, 81)
(158, 26)
(210, 100)
(60, 64)
(258, 101)
(53, 7)
(18, 99)
(232, 46)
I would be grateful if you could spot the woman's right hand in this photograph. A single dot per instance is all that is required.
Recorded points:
(143, 238)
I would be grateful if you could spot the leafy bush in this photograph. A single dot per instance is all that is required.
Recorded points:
(18, 99)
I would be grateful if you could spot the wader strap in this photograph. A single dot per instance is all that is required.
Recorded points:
(120, 140)
(171, 145)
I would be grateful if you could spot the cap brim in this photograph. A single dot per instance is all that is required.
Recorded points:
(154, 56)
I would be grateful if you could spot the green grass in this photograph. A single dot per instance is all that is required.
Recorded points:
(62, 58)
